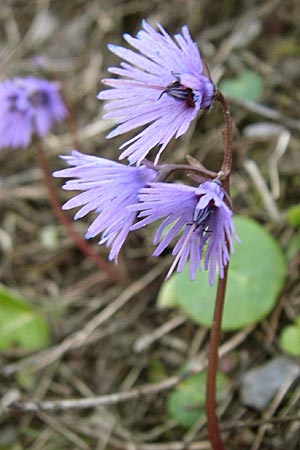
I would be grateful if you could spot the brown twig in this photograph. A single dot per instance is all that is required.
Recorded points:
(117, 397)
(268, 113)
(81, 336)
(259, 422)
(271, 410)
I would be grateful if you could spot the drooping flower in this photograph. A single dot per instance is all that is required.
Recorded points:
(162, 86)
(28, 106)
(108, 188)
(199, 214)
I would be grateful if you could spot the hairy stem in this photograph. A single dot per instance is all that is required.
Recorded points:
(215, 333)
(80, 242)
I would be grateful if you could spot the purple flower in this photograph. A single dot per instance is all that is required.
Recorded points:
(28, 106)
(202, 217)
(108, 189)
(162, 86)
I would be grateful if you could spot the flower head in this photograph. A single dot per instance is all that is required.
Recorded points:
(162, 86)
(108, 188)
(199, 214)
(28, 106)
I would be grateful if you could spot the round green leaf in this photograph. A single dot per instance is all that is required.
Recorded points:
(293, 247)
(293, 216)
(256, 276)
(20, 324)
(289, 340)
(167, 294)
(186, 402)
(248, 85)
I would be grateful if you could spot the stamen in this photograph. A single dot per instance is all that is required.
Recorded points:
(180, 92)
(39, 99)
(13, 102)
(201, 215)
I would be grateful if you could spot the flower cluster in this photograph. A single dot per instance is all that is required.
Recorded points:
(28, 106)
(161, 88)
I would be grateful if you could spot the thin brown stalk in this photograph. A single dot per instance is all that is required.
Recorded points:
(227, 159)
(211, 384)
(165, 170)
(84, 247)
(215, 333)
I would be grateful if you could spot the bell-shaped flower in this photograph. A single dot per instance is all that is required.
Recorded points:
(108, 188)
(162, 86)
(199, 215)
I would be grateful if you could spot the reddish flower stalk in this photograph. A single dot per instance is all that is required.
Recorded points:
(84, 247)
(215, 333)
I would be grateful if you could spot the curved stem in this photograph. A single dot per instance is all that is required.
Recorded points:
(80, 242)
(165, 170)
(168, 169)
(227, 159)
(215, 333)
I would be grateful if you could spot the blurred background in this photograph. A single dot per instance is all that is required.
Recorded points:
(67, 330)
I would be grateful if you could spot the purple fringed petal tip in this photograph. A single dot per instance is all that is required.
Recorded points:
(199, 215)
(108, 188)
(161, 88)
(28, 106)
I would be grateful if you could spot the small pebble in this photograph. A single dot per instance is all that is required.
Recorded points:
(260, 385)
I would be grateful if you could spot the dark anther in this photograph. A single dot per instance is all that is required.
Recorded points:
(13, 102)
(39, 99)
(201, 216)
(180, 92)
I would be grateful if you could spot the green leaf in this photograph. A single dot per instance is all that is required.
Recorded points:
(156, 370)
(186, 402)
(20, 324)
(15, 446)
(293, 216)
(167, 294)
(289, 340)
(256, 276)
(248, 85)
(293, 247)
